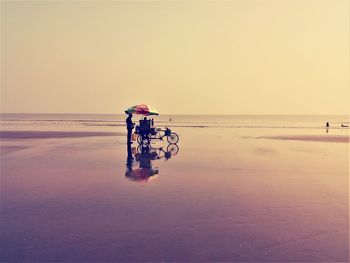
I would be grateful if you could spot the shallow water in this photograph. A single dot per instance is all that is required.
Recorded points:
(225, 194)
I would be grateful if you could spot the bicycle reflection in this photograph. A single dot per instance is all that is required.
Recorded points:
(139, 161)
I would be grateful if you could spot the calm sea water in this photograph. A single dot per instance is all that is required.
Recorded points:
(224, 121)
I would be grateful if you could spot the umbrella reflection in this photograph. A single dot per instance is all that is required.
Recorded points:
(139, 167)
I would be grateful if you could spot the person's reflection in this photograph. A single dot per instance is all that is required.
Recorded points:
(130, 158)
(145, 170)
(144, 155)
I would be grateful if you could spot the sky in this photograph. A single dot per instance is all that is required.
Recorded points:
(195, 57)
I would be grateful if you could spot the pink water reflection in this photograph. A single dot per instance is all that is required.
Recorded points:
(226, 196)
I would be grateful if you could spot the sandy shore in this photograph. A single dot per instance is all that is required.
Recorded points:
(311, 138)
(54, 134)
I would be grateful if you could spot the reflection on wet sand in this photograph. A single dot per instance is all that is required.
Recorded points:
(142, 157)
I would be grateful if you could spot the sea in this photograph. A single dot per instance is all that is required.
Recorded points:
(97, 121)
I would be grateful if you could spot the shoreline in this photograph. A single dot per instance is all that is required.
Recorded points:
(311, 138)
(54, 134)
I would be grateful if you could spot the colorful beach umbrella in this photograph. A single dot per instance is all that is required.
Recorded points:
(142, 109)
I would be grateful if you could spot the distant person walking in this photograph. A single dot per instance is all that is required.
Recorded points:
(327, 125)
(130, 127)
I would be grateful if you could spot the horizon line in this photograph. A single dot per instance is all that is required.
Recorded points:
(184, 114)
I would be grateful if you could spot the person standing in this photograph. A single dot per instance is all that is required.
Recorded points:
(130, 127)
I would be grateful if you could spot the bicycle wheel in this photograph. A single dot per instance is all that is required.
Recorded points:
(139, 138)
(173, 138)
(172, 149)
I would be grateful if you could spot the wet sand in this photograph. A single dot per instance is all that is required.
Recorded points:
(53, 134)
(311, 138)
(223, 195)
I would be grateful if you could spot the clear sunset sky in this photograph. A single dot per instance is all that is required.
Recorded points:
(198, 57)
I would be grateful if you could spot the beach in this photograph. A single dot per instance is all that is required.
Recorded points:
(244, 188)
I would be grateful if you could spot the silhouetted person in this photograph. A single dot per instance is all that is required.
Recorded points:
(327, 126)
(130, 127)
